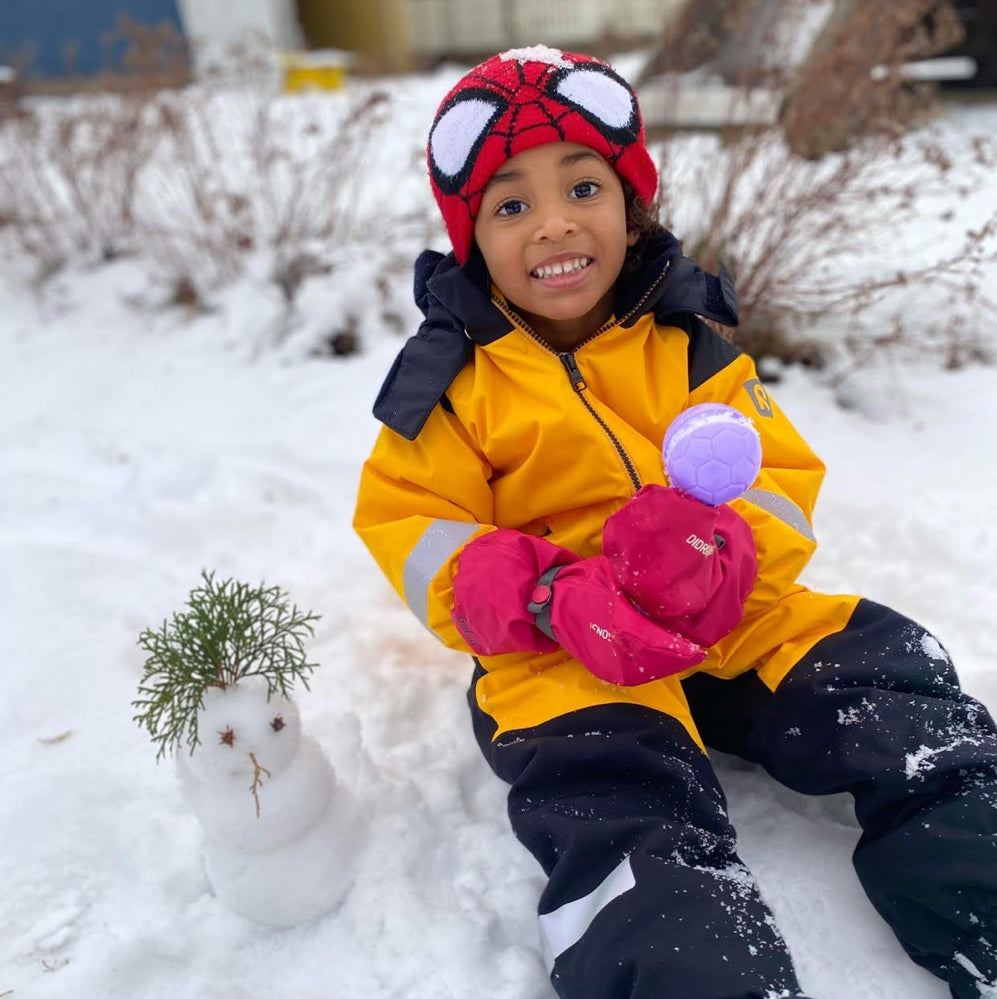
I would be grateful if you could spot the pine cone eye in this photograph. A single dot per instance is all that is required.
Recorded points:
(278, 723)
(227, 737)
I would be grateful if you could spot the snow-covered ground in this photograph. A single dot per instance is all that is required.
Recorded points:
(138, 446)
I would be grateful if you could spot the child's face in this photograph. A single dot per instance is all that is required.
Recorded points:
(559, 205)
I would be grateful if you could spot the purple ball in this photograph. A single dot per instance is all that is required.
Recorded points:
(712, 452)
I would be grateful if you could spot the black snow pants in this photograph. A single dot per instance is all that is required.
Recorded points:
(646, 897)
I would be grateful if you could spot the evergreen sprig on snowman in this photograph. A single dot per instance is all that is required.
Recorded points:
(216, 692)
(232, 631)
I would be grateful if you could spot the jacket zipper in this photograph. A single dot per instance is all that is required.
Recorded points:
(578, 384)
(567, 358)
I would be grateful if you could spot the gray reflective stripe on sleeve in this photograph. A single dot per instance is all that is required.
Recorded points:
(779, 506)
(565, 926)
(437, 544)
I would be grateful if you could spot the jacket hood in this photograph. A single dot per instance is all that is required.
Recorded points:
(457, 303)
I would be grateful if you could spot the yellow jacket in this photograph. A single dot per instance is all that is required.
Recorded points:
(552, 444)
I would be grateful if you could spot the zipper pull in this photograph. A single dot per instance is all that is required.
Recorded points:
(574, 373)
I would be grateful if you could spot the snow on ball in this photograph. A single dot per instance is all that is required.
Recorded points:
(289, 802)
(239, 720)
(712, 452)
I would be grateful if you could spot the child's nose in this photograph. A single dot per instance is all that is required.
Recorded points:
(554, 224)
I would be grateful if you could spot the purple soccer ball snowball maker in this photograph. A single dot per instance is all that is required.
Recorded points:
(712, 452)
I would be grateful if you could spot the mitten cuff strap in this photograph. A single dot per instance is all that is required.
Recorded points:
(541, 600)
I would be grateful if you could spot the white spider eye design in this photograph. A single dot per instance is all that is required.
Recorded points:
(457, 134)
(602, 96)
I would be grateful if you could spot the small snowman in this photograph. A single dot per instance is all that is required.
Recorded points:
(281, 834)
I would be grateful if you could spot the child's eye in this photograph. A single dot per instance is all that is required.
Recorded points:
(585, 189)
(511, 207)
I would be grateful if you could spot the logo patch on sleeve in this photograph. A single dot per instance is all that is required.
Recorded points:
(760, 398)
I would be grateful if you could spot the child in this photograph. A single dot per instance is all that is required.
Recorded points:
(516, 500)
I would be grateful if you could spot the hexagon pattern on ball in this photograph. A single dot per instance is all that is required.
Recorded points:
(712, 452)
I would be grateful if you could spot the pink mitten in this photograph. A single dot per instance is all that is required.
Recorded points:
(516, 592)
(496, 576)
(689, 565)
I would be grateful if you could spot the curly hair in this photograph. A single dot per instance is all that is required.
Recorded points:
(642, 219)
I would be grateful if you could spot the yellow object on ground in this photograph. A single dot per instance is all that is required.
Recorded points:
(321, 69)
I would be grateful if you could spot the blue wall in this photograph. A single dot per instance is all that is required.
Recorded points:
(44, 28)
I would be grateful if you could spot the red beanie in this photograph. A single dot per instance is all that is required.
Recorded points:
(524, 98)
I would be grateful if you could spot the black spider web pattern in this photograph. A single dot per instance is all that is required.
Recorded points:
(488, 82)
(514, 129)
(615, 150)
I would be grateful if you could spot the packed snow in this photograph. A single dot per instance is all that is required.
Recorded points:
(284, 853)
(139, 445)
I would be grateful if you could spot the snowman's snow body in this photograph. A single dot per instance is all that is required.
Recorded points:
(294, 860)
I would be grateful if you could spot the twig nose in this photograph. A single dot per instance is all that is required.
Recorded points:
(257, 781)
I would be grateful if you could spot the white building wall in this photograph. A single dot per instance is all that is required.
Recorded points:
(438, 27)
(214, 25)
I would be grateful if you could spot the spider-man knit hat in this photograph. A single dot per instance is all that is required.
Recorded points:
(524, 98)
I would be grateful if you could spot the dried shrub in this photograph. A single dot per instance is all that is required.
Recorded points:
(242, 169)
(853, 83)
(196, 180)
(68, 174)
(803, 236)
(69, 168)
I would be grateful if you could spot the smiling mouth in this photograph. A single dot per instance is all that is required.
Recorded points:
(561, 268)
